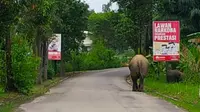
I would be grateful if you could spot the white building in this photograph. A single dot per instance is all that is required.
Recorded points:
(87, 42)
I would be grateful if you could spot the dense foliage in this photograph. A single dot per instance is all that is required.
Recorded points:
(26, 30)
(99, 57)
(115, 29)
(141, 13)
(24, 65)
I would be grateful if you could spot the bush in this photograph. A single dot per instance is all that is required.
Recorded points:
(129, 53)
(98, 58)
(77, 60)
(2, 69)
(24, 65)
(190, 64)
(68, 67)
(50, 71)
(123, 58)
(156, 69)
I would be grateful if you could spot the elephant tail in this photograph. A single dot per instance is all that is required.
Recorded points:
(140, 66)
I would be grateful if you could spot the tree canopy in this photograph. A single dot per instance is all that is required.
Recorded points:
(34, 23)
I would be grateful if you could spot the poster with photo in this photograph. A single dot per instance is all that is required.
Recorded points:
(54, 48)
(164, 48)
(166, 40)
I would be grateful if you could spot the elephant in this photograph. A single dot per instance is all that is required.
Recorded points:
(138, 67)
(173, 76)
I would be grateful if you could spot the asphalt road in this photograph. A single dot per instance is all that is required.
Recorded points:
(97, 91)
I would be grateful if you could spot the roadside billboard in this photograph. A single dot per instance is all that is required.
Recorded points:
(166, 40)
(54, 48)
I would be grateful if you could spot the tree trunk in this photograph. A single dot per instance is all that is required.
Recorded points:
(40, 54)
(140, 40)
(10, 81)
(45, 59)
(62, 64)
(147, 40)
(62, 68)
(40, 70)
(143, 40)
(150, 37)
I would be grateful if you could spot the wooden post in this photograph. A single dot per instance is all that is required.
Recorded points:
(166, 67)
(158, 70)
(55, 66)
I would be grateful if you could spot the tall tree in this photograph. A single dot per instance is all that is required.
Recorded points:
(140, 12)
(187, 12)
(106, 7)
(35, 20)
(73, 15)
(8, 13)
(41, 16)
(114, 28)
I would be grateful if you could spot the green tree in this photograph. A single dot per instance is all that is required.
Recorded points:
(36, 22)
(73, 15)
(187, 12)
(8, 12)
(117, 30)
(106, 7)
(33, 23)
(140, 12)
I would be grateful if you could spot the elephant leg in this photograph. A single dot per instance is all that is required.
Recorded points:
(134, 86)
(141, 85)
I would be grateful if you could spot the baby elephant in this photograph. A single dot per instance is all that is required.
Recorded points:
(138, 67)
(174, 76)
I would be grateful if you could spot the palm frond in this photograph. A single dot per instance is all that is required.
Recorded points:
(195, 14)
(195, 17)
(183, 2)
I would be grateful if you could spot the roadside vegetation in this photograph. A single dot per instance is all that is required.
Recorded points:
(184, 94)
(27, 28)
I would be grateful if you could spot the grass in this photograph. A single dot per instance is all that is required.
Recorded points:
(13, 100)
(181, 94)
(6, 97)
(6, 108)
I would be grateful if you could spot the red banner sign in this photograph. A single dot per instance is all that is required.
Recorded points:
(166, 40)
